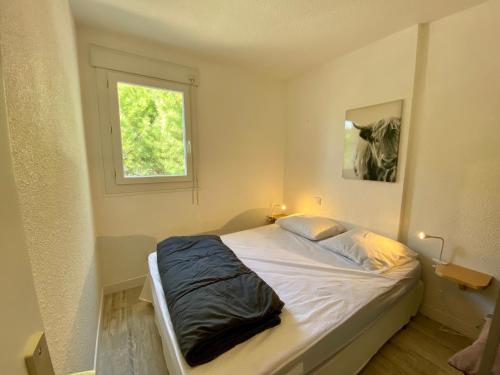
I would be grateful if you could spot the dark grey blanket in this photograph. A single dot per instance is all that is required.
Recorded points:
(215, 301)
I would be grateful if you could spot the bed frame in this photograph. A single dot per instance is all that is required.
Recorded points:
(354, 356)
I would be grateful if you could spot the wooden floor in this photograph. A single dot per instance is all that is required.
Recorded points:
(421, 348)
(130, 344)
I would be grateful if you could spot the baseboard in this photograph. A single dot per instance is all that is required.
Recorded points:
(101, 306)
(124, 285)
(449, 321)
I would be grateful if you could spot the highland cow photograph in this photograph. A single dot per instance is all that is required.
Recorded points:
(371, 142)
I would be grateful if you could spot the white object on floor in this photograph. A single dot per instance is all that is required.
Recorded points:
(146, 293)
(329, 302)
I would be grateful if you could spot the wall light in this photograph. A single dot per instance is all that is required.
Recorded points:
(424, 236)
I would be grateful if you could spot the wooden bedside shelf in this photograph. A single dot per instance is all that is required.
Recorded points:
(464, 277)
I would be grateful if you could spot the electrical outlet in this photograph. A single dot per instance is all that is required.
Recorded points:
(38, 360)
(318, 200)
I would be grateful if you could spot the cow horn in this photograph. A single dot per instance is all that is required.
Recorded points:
(359, 127)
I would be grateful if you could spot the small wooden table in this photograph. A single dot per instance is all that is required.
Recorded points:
(272, 219)
(464, 277)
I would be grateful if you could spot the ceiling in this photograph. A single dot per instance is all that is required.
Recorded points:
(281, 38)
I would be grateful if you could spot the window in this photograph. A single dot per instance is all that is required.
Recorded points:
(146, 129)
(150, 129)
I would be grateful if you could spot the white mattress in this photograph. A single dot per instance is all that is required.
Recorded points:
(329, 301)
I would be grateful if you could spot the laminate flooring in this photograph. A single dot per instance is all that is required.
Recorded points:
(130, 344)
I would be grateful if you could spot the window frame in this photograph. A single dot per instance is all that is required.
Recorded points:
(105, 61)
(113, 78)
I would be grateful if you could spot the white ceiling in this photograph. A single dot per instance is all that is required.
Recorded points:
(278, 37)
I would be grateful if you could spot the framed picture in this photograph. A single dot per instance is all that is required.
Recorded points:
(371, 142)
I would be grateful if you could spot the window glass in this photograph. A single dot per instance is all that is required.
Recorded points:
(152, 127)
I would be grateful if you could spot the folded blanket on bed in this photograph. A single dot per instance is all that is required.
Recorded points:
(214, 300)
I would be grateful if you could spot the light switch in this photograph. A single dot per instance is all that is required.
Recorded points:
(38, 360)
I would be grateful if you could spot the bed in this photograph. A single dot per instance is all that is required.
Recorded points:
(336, 315)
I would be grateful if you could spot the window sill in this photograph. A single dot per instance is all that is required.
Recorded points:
(112, 187)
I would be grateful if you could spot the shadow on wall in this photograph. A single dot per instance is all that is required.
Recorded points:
(124, 258)
(246, 220)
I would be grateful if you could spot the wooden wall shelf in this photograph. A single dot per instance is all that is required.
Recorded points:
(464, 277)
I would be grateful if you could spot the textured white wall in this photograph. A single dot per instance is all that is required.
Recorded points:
(454, 169)
(50, 167)
(315, 107)
(241, 157)
(20, 313)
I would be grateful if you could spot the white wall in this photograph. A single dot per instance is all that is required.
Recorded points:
(454, 170)
(20, 316)
(50, 169)
(241, 157)
(316, 105)
(452, 177)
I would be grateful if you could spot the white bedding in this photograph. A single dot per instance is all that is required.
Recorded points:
(326, 298)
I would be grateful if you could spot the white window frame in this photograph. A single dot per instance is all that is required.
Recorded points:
(113, 66)
(118, 77)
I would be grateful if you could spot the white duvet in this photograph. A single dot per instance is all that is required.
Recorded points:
(321, 290)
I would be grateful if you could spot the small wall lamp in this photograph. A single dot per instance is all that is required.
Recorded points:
(424, 236)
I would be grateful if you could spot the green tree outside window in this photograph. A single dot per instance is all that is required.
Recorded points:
(152, 131)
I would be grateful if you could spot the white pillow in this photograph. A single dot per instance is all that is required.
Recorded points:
(371, 251)
(312, 227)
